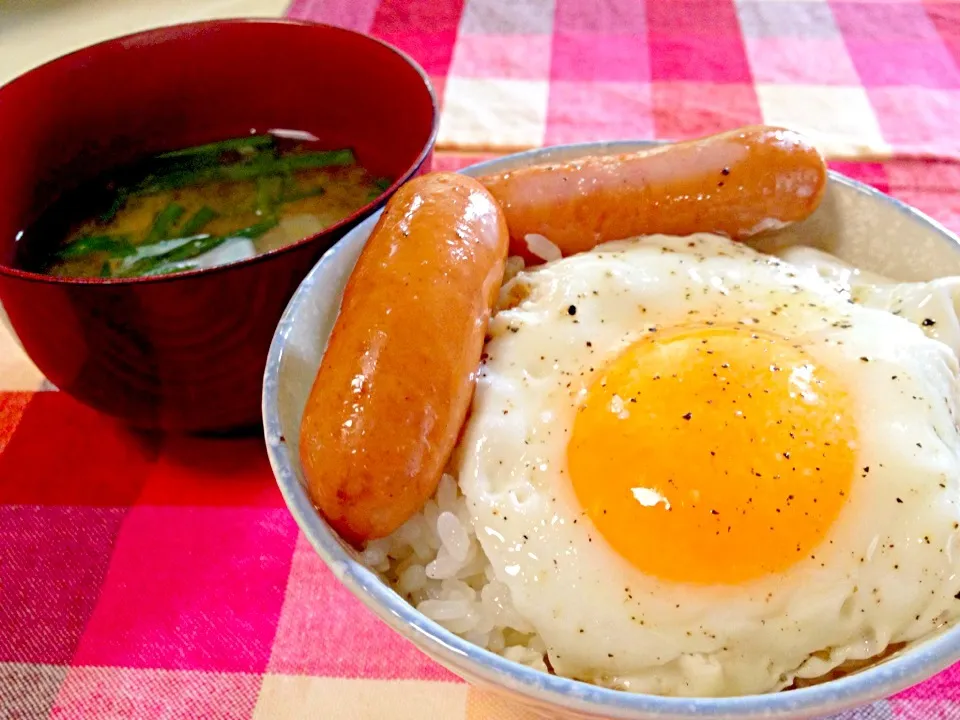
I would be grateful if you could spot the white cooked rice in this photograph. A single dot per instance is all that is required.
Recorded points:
(435, 562)
(541, 246)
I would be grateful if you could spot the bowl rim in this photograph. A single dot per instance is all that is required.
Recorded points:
(167, 32)
(929, 657)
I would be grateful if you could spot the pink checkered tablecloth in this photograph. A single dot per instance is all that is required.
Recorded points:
(863, 77)
(161, 577)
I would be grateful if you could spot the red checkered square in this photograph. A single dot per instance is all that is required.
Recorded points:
(324, 630)
(97, 461)
(192, 589)
(685, 110)
(432, 50)
(212, 472)
(52, 564)
(134, 694)
(426, 16)
(871, 173)
(427, 29)
(699, 58)
(696, 41)
(680, 19)
(603, 58)
(584, 111)
(521, 57)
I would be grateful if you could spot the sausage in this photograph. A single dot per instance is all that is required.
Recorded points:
(397, 377)
(735, 184)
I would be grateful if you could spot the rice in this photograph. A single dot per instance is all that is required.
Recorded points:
(541, 246)
(435, 563)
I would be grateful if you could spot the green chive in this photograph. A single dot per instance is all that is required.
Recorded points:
(105, 271)
(199, 220)
(253, 142)
(164, 222)
(116, 245)
(383, 183)
(185, 249)
(184, 177)
(254, 231)
(262, 164)
(269, 190)
(194, 248)
(309, 161)
(162, 247)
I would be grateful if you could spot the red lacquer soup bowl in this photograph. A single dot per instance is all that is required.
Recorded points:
(187, 352)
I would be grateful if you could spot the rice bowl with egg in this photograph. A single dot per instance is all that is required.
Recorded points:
(436, 562)
(871, 216)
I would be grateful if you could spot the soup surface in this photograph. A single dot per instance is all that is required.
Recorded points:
(198, 208)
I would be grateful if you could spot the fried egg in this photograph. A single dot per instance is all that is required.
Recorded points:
(703, 471)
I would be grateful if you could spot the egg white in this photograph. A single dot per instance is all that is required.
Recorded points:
(931, 305)
(887, 571)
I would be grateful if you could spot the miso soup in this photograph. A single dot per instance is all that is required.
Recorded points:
(199, 207)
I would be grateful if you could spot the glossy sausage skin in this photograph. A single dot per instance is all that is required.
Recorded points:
(734, 184)
(397, 377)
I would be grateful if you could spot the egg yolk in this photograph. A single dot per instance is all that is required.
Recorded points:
(713, 455)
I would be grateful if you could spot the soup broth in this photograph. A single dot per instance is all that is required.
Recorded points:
(198, 208)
